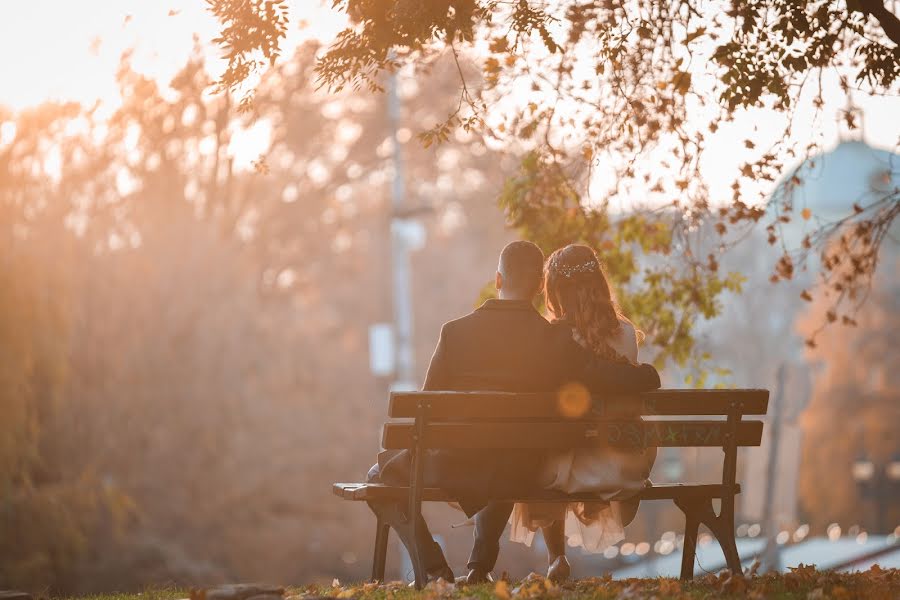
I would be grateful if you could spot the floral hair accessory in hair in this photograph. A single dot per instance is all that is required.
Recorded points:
(569, 272)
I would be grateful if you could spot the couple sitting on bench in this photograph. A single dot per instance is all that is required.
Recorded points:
(506, 345)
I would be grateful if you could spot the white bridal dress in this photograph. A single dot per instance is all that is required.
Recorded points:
(592, 525)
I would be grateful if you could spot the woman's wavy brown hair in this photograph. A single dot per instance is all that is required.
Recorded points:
(576, 290)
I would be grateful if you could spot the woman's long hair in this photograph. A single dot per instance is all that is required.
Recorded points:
(576, 290)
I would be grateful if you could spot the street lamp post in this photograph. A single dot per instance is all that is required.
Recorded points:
(405, 371)
(771, 555)
(391, 351)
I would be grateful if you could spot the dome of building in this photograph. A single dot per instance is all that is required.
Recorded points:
(851, 173)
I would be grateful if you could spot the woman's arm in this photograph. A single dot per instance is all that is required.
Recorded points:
(601, 376)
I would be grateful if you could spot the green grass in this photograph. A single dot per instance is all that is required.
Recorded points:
(148, 594)
(804, 583)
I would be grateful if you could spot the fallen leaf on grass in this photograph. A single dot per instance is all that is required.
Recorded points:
(839, 592)
(439, 589)
(535, 586)
(669, 587)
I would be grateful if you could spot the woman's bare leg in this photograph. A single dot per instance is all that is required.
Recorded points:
(555, 539)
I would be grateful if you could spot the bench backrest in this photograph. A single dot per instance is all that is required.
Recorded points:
(572, 419)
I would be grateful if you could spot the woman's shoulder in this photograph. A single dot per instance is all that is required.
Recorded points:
(627, 342)
(627, 330)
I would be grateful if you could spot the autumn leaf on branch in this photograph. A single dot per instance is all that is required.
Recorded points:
(251, 29)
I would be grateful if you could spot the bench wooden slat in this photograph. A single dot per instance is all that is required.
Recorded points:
(487, 405)
(573, 434)
(376, 491)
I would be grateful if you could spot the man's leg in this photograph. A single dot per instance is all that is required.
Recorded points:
(432, 555)
(489, 525)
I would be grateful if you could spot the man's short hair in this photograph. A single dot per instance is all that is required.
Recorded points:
(522, 266)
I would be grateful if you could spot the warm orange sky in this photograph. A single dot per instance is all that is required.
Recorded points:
(69, 50)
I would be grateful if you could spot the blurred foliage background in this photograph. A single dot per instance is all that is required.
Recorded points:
(184, 363)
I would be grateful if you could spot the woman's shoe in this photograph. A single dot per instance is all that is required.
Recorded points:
(443, 573)
(560, 570)
(477, 576)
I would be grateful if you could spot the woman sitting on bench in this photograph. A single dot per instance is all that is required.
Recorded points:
(577, 293)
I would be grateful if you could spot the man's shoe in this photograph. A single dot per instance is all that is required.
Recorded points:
(477, 576)
(445, 573)
(560, 570)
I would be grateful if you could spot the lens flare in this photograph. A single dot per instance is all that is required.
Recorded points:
(573, 400)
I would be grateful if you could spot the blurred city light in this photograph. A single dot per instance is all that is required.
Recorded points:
(833, 531)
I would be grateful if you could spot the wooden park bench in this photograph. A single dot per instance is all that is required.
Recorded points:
(495, 420)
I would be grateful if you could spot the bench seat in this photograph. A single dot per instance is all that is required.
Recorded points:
(666, 491)
(490, 421)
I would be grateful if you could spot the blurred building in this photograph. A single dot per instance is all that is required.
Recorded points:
(830, 184)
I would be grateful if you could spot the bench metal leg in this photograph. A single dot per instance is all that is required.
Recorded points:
(729, 548)
(721, 525)
(689, 552)
(406, 533)
(382, 533)
(390, 515)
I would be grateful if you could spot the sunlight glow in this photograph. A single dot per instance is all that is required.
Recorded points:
(7, 133)
(248, 144)
(74, 55)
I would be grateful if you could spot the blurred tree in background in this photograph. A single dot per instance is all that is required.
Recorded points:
(185, 339)
(44, 507)
(854, 411)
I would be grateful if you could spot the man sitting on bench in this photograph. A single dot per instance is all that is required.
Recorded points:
(504, 345)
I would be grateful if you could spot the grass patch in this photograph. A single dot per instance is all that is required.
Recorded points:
(805, 583)
(802, 583)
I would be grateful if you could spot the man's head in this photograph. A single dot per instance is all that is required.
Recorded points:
(520, 270)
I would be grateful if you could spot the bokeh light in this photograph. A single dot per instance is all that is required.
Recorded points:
(573, 400)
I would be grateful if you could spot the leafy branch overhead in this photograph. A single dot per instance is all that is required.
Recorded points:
(251, 29)
(621, 100)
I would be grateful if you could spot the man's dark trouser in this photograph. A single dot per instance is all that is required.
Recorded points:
(490, 522)
(489, 525)
(432, 555)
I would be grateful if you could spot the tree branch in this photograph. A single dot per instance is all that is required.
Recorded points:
(888, 20)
